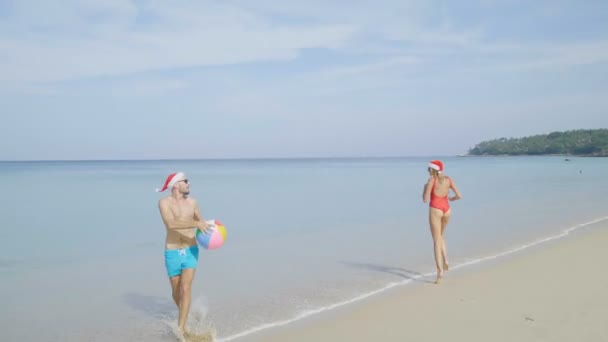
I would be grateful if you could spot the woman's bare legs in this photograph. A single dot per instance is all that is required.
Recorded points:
(444, 252)
(435, 221)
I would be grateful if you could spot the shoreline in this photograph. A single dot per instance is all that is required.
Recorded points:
(313, 319)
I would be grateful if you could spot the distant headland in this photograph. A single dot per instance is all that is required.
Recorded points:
(580, 142)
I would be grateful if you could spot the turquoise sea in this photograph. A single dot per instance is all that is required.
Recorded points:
(82, 251)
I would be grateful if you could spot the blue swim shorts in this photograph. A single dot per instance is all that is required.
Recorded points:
(178, 259)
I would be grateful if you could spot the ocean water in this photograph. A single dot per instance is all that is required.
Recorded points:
(82, 251)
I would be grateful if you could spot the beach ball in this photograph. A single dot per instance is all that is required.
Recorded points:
(214, 237)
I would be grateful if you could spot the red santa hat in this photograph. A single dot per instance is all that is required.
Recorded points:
(436, 165)
(172, 180)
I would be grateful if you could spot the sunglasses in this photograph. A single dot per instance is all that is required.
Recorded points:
(185, 181)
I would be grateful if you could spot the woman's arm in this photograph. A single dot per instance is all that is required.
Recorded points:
(455, 189)
(426, 194)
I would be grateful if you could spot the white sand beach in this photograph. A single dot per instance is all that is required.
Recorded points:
(556, 291)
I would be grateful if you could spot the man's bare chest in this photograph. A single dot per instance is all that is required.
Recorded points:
(183, 211)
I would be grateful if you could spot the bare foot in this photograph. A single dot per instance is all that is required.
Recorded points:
(181, 334)
(439, 277)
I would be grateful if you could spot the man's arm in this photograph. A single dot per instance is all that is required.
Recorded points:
(199, 217)
(172, 223)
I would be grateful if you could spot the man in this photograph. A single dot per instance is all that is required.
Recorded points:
(182, 217)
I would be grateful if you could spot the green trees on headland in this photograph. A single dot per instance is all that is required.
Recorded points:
(582, 142)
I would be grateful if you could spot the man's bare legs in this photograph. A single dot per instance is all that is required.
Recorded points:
(181, 286)
(176, 293)
(185, 287)
(435, 221)
(175, 289)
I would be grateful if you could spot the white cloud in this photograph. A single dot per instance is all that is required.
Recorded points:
(378, 44)
(101, 39)
(48, 42)
(499, 57)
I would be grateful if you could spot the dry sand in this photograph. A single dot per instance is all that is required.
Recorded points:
(557, 291)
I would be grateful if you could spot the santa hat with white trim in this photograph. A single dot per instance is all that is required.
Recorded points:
(171, 180)
(436, 165)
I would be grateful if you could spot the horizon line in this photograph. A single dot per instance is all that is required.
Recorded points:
(230, 158)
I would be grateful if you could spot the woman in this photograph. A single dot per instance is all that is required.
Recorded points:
(437, 190)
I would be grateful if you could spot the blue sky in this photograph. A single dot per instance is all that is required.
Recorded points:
(121, 79)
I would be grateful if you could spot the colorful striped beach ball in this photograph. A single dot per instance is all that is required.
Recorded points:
(214, 238)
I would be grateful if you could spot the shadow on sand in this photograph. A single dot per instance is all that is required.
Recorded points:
(153, 306)
(398, 271)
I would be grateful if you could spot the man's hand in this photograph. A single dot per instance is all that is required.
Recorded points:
(203, 226)
(211, 225)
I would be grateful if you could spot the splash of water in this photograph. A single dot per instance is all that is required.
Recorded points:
(199, 327)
